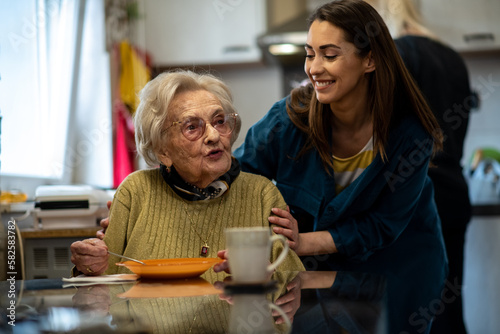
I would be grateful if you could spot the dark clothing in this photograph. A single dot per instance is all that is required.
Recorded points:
(442, 76)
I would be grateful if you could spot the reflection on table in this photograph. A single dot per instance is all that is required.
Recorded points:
(313, 301)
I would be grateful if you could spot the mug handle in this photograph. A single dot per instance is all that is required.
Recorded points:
(283, 315)
(283, 254)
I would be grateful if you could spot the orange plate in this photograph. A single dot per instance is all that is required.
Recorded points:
(171, 268)
(188, 287)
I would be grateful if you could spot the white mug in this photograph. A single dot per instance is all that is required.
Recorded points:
(248, 252)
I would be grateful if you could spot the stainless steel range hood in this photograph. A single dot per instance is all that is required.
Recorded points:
(284, 44)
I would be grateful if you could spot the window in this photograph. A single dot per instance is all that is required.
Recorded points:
(51, 98)
(37, 58)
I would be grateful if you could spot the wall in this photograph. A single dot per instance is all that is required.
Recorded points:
(484, 124)
(255, 90)
(281, 11)
(255, 87)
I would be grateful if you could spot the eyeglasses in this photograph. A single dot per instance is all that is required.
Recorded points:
(194, 127)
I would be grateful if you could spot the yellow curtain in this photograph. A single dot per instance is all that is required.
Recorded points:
(134, 76)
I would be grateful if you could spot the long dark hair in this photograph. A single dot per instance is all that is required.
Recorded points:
(391, 86)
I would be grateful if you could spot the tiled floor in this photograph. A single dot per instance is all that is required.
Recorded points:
(482, 276)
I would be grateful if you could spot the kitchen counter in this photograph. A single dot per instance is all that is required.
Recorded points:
(31, 233)
(486, 210)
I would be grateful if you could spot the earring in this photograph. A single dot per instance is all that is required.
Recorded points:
(169, 168)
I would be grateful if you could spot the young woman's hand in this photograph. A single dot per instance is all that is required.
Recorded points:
(288, 226)
(104, 224)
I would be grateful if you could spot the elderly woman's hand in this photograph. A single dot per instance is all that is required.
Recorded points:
(90, 256)
(288, 226)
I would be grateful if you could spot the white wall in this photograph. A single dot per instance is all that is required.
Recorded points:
(254, 90)
(484, 123)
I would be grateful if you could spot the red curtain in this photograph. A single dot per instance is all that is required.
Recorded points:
(131, 71)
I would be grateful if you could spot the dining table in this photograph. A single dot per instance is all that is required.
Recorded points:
(399, 291)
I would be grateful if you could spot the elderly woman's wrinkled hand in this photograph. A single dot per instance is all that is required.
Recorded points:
(288, 226)
(90, 256)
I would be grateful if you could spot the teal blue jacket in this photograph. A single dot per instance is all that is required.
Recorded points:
(387, 201)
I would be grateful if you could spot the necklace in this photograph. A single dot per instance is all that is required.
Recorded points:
(204, 247)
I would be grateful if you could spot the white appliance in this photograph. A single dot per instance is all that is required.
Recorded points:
(70, 206)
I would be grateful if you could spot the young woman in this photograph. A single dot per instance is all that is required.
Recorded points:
(350, 151)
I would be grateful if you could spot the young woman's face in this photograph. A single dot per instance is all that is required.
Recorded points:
(334, 68)
(203, 160)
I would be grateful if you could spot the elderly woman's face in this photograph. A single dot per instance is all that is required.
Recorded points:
(205, 159)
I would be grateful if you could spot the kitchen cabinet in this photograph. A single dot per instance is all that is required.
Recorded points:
(465, 25)
(200, 32)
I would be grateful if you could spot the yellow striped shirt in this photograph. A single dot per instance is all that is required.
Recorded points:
(348, 169)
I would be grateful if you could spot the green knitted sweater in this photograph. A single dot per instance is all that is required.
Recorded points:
(149, 221)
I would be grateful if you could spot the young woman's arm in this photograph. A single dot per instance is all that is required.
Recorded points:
(316, 243)
(312, 243)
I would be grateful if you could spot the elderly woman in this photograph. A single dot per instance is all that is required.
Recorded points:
(186, 124)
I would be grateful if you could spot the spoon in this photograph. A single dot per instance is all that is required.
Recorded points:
(126, 257)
